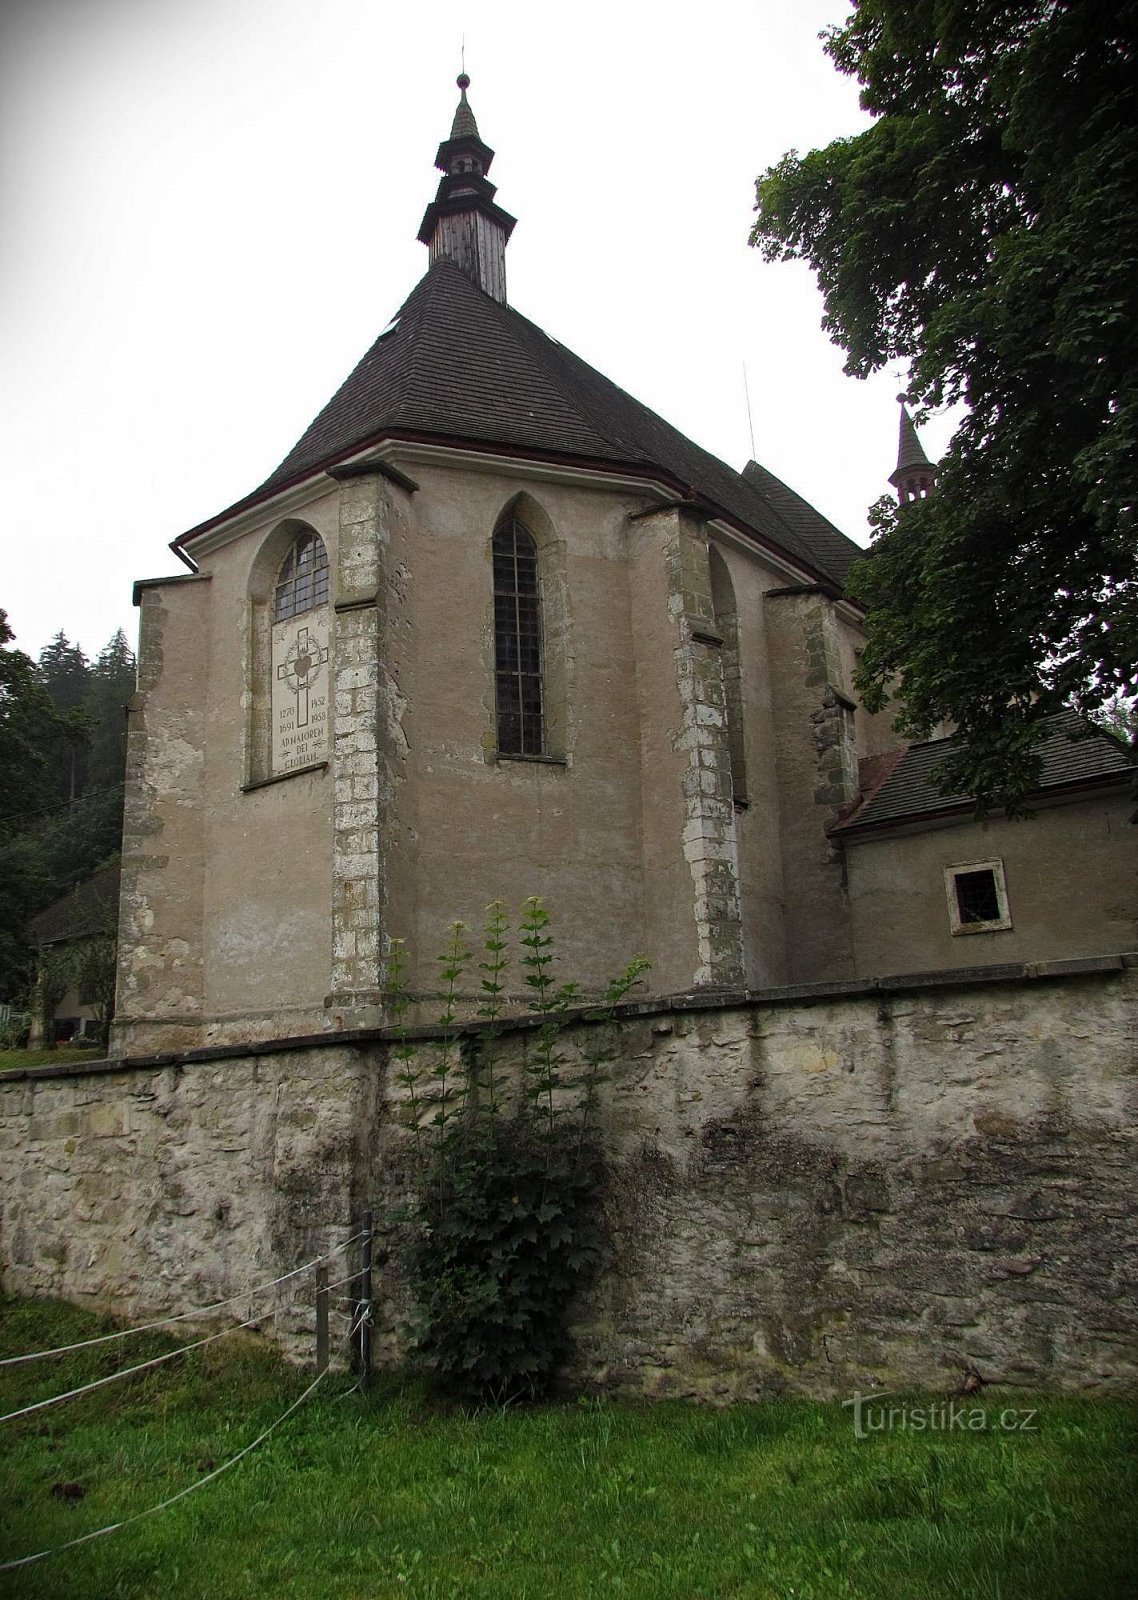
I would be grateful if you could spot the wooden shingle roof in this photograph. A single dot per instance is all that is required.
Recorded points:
(458, 367)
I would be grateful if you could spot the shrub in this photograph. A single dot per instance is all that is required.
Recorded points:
(505, 1225)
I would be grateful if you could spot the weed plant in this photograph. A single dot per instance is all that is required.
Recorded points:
(505, 1224)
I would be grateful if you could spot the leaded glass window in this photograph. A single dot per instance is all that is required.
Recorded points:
(517, 640)
(302, 582)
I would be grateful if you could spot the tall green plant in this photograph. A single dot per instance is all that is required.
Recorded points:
(506, 1223)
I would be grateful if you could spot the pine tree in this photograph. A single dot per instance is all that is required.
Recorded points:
(62, 762)
(110, 686)
(65, 674)
(33, 738)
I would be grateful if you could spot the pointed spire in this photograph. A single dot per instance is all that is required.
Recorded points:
(462, 223)
(914, 477)
(464, 125)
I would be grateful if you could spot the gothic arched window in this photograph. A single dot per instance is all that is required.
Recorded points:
(302, 582)
(517, 640)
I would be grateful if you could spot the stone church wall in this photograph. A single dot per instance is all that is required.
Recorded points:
(812, 1189)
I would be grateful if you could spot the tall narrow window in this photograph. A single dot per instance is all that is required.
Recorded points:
(517, 640)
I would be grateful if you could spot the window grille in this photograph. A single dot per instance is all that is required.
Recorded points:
(977, 897)
(517, 640)
(302, 582)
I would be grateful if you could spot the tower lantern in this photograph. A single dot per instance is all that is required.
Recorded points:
(915, 475)
(462, 223)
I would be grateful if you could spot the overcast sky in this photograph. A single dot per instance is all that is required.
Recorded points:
(210, 210)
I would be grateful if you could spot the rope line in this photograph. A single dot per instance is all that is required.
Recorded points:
(62, 805)
(340, 1282)
(128, 1372)
(200, 1311)
(113, 1527)
(364, 1308)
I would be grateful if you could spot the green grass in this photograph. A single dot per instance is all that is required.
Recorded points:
(388, 1496)
(43, 1058)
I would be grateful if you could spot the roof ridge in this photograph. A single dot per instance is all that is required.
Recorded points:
(402, 323)
(1064, 713)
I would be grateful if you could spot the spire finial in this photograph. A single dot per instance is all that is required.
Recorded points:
(464, 125)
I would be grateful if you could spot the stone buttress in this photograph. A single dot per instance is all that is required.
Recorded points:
(366, 744)
(690, 850)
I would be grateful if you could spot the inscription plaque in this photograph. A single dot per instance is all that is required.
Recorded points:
(300, 691)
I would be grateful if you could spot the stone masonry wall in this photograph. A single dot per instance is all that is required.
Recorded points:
(812, 1189)
(153, 1190)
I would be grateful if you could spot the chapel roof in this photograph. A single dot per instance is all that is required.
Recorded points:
(456, 366)
(1073, 753)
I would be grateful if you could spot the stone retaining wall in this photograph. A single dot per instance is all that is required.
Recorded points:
(811, 1190)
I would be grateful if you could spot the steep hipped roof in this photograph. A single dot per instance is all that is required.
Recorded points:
(456, 366)
(1071, 756)
(90, 909)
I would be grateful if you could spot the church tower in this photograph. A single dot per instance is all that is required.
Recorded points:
(462, 223)
(914, 477)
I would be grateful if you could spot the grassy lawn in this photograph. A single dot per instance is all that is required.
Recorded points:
(43, 1058)
(388, 1496)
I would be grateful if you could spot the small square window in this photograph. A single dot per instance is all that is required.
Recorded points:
(977, 897)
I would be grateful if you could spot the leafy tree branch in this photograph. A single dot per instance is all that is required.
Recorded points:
(984, 230)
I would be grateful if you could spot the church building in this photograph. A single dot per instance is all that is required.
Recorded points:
(494, 629)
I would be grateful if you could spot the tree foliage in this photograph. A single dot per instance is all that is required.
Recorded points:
(62, 759)
(984, 230)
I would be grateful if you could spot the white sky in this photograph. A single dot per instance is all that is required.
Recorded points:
(210, 210)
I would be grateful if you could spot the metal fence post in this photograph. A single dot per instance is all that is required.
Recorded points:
(322, 1318)
(363, 1310)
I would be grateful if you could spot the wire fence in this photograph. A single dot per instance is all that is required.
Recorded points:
(200, 1483)
(359, 1311)
(182, 1316)
(129, 1372)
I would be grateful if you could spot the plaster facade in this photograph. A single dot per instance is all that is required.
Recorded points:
(258, 904)
(1072, 886)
